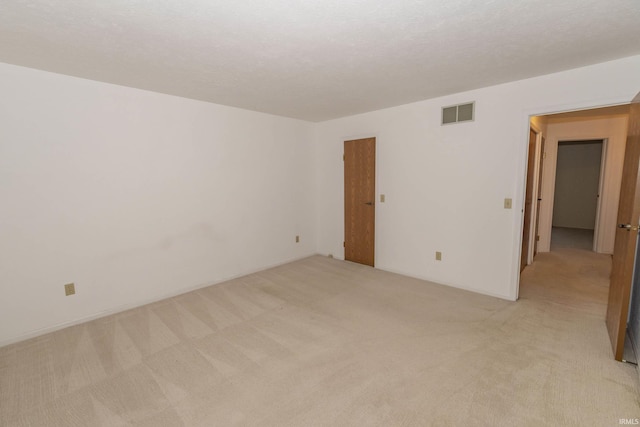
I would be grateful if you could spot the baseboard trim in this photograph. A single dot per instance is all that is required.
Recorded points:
(125, 307)
(450, 285)
(427, 279)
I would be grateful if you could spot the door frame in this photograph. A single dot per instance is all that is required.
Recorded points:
(540, 155)
(552, 163)
(601, 172)
(537, 183)
(534, 194)
(603, 163)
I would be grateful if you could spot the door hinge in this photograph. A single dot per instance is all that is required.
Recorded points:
(343, 157)
(344, 245)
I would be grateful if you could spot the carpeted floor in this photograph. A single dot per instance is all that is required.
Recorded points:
(322, 342)
(574, 238)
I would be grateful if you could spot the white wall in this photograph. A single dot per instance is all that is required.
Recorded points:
(135, 196)
(445, 185)
(577, 185)
(614, 130)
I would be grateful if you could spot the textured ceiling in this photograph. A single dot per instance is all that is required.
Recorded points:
(314, 60)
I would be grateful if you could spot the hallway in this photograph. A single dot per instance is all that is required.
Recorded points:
(567, 290)
(575, 238)
(572, 278)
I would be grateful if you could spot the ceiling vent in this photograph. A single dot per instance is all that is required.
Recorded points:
(458, 113)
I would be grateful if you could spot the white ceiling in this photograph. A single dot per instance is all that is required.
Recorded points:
(314, 60)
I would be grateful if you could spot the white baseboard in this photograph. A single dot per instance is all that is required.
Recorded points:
(475, 291)
(125, 307)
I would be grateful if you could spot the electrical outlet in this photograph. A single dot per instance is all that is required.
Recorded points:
(330, 255)
(297, 239)
(69, 289)
(507, 203)
(438, 256)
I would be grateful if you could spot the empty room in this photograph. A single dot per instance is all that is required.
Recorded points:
(218, 213)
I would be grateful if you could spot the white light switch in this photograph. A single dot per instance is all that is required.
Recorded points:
(507, 203)
(382, 198)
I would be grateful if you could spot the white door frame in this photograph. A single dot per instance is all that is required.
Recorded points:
(601, 184)
(536, 185)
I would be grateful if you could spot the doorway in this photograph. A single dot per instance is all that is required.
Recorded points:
(616, 130)
(606, 124)
(359, 200)
(577, 194)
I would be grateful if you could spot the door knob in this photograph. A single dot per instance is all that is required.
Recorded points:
(628, 227)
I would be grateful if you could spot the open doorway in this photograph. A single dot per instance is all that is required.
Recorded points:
(577, 193)
(607, 128)
(590, 147)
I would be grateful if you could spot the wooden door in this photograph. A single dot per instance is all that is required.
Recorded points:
(540, 162)
(528, 200)
(626, 236)
(359, 200)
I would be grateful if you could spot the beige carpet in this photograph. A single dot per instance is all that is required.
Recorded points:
(574, 238)
(326, 342)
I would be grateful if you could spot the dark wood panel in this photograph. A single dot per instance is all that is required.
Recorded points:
(528, 200)
(539, 200)
(626, 240)
(359, 200)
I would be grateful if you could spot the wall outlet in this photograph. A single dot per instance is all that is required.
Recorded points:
(297, 239)
(330, 255)
(69, 289)
(507, 203)
(438, 256)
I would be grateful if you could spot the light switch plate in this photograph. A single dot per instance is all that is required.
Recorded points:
(382, 198)
(507, 203)
(438, 256)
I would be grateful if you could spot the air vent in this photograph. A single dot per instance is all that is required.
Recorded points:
(458, 113)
